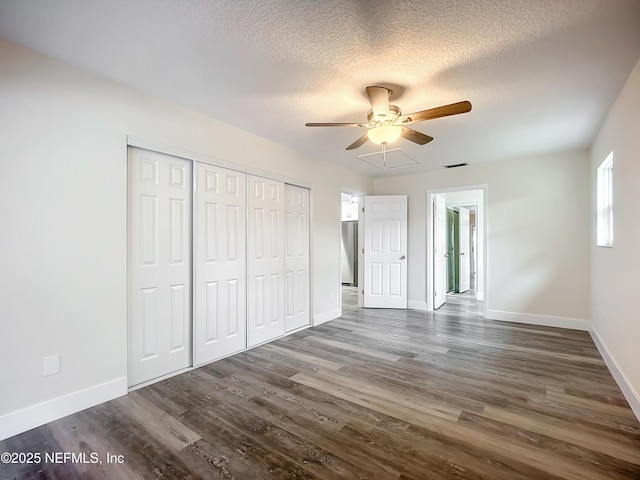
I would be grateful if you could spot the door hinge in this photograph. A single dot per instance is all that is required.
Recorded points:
(362, 292)
(363, 250)
(362, 209)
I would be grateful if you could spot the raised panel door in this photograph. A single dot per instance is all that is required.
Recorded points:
(220, 263)
(296, 260)
(265, 260)
(439, 250)
(159, 250)
(385, 251)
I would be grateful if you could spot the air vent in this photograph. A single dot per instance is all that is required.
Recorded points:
(456, 165)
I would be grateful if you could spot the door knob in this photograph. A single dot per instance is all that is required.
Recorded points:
(402, 257)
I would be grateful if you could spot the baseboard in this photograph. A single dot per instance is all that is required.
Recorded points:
(324, 317)
(549, 321)
(417, 305)
(31, 417)
(630, 393)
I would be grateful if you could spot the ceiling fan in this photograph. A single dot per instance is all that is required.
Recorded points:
(386, 123)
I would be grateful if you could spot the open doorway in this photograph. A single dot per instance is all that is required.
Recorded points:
(350, 249)
(456, 238)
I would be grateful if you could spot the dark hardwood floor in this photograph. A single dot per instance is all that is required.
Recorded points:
(376, 394)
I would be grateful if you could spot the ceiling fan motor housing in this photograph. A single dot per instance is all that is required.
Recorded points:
(394, 113)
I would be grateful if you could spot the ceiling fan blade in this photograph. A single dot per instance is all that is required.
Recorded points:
(357, 143)
(414, 136)
(444, 111)
(364, 125)
(379, 98)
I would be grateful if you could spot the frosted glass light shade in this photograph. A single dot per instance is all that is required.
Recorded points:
(384, 133)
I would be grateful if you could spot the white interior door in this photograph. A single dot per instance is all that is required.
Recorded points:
(464, 260)
(439, 250)
(220, 262)
(265, 260)
(385, 251)
(296, 257)
(159, 223)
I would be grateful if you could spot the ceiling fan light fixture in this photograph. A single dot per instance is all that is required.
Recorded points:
(384, 133)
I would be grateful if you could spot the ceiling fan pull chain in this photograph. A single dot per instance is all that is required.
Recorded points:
(384, 157)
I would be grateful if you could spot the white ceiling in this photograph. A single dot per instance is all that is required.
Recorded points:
(541, 75)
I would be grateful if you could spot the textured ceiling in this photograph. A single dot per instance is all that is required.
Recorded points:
(541, 75)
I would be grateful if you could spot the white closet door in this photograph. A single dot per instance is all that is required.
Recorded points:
(265, 260)
(219, 262)
(159, 220)
(296, 259)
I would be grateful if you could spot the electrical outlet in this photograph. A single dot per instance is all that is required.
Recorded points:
(51, 365)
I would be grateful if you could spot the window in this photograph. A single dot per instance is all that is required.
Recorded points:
(604, 193)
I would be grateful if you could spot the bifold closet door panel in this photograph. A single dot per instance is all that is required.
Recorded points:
(296, 260)
(159, 250)
(265, 260)
(219, 263)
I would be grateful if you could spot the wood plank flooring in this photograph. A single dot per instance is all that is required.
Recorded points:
(376, 394)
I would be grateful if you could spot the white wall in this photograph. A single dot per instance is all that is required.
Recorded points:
(615, 271)
(538, 234)
(63, 191)
(463, 198)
